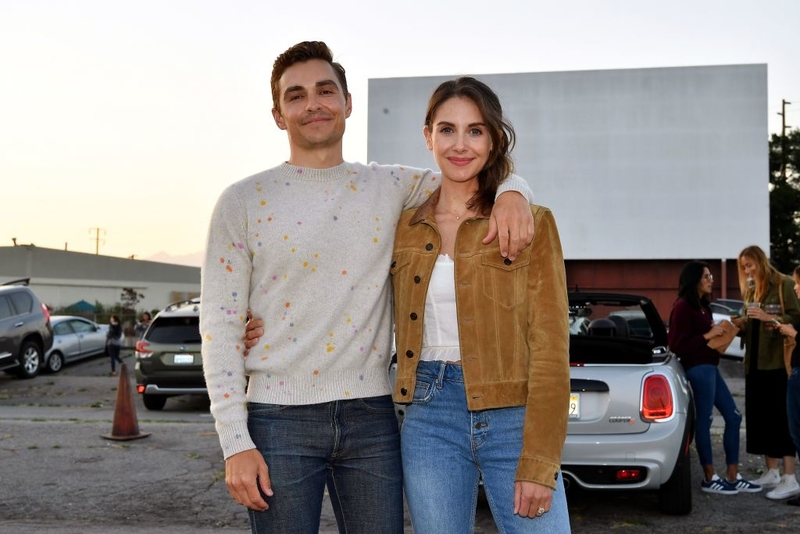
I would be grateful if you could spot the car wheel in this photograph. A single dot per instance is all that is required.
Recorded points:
(55, 362)
(154, 402)
(30, 359)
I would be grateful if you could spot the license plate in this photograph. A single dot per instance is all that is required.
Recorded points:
(574, 405)
(184, 359)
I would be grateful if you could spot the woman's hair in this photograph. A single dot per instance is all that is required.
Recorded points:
(300, 53)
(498, 165)
(765, 274)
(689, 279)
(114, 317)
(796, 273)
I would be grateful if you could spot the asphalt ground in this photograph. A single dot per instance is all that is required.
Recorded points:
(58, 474)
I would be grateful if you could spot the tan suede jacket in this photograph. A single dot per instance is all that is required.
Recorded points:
(513, 326)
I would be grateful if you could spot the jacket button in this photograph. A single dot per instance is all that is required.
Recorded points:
(417, 279)
(413, 316)
(410, 353)
(403, 391)
(507, 261)
(429, 246)
(394, 263)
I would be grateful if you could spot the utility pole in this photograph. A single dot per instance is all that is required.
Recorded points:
(784, 103)
(97, 238)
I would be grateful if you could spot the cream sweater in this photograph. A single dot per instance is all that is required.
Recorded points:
(308, 251)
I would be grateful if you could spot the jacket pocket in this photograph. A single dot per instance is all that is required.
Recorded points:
(504, 281)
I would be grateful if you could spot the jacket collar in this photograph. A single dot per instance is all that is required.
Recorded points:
(425, 211)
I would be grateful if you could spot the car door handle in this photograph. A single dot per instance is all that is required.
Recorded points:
(19, 324)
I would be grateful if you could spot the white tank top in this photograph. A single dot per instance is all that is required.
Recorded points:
(440, 329)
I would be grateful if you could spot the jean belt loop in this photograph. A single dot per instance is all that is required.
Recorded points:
(442, 371)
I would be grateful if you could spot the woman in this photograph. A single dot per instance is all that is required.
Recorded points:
(765, 374)
(142, 326)
(114, 343)
(482, 340)
(691, 327)
(793, 385)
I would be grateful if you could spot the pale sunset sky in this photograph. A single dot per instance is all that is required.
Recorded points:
(131, 117)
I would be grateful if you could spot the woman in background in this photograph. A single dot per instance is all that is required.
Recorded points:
(793, 385)
(765, 373)
(114, 343)
(691, 327)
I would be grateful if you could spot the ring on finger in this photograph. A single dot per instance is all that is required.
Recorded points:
(541, 511)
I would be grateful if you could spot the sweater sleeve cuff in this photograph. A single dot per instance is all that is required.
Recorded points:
(234, 438)
(518, 184)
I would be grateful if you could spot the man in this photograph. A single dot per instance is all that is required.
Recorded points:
(307, 246)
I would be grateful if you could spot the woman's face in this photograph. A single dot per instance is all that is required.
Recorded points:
(706, 283)
(797, 285)
(749, 267)
(459, 139)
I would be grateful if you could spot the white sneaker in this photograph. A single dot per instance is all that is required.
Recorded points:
(788, 487)
(770, 479)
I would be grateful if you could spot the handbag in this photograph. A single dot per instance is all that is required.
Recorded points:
(721, 343)
(788, 342)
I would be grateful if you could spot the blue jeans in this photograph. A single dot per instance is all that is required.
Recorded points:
(793, 406)
(352, 446)
(447, 449)
(113, 353)
(710, 390)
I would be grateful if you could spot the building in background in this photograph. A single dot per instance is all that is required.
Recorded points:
(61, 278)
(644, 169)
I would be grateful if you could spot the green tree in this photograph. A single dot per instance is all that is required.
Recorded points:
(784, 201)
(130, 299)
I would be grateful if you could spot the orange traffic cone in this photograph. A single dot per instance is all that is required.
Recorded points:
(126, 426)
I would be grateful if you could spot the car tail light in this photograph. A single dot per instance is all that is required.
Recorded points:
(46, 312)
(657, 400)
(628, 475)
(142, 350)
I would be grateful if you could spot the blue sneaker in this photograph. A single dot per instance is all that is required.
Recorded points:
(745, 485)
(718, 485)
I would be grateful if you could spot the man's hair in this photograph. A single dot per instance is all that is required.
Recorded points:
(300, 53)
(498, 165)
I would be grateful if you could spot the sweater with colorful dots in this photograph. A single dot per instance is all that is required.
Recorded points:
(307, 251)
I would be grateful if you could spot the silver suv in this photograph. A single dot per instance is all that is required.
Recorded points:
(25, 330)
(168, 361)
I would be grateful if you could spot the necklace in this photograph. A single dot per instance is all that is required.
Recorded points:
(458, 217)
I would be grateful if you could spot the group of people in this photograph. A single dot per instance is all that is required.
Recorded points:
(771, 315)
(317, 249)
(114, 337)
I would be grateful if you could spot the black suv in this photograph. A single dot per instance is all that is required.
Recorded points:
(25, 330)
(168, 360)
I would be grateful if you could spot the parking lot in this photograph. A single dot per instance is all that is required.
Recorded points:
(57, 474)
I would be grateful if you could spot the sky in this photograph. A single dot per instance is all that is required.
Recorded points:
(125, 120)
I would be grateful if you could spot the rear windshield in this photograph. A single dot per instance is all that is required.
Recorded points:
(178, 330)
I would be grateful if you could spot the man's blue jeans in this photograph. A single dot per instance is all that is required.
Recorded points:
(447, 449)
(352, 446)
(793, 406)
(710, 390)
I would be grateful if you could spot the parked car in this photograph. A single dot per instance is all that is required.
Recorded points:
(631, 413)
(168, 360)
(74, 338)
(25, 329)
(725, 310)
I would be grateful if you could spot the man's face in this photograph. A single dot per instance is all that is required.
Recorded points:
(313, 108)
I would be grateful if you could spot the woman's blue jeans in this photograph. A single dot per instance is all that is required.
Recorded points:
(350, 446)
(710, 390)
(447, 449)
